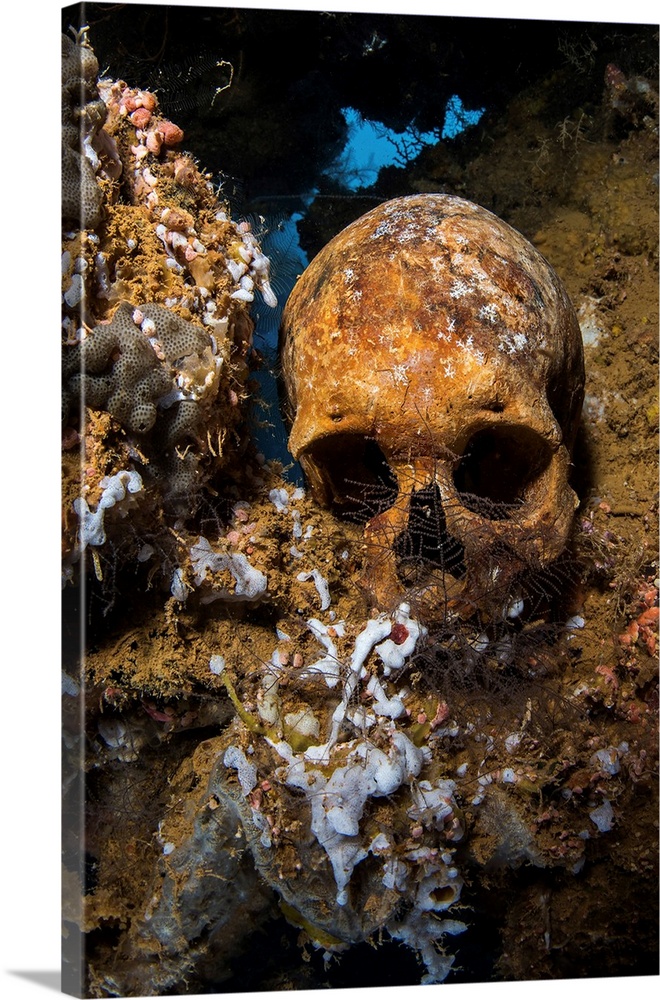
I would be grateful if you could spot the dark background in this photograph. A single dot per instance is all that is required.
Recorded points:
(274, 132)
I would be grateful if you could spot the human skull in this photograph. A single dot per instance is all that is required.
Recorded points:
(433, 371)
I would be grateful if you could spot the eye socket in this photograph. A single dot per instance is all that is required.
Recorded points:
(498, 467)
(361, 481)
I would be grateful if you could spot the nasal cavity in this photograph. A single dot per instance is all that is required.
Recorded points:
(498, 468)
(426, 547)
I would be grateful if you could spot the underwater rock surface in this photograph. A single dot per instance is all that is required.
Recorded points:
(267, 762)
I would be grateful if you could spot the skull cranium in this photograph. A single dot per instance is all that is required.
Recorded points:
(433, 364)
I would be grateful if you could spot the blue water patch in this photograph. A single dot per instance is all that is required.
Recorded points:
(280, 242)
(371, 145)
(458, 118)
